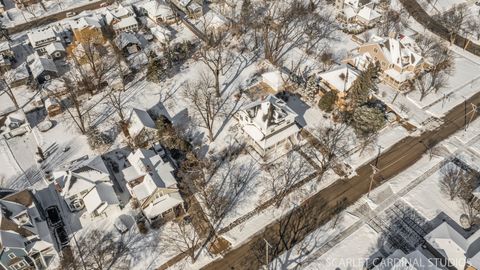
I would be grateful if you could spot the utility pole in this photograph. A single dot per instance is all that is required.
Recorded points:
(465, 113)
(267, 245)
(375, 170)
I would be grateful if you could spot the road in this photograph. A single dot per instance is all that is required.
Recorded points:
(401, 156)
(37, 22)
(419, 14)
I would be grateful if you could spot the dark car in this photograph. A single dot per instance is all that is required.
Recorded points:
(62, 236)
(54, 219)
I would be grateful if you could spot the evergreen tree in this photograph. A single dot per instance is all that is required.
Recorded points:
(368, 120)
(327, 101)
(360, 91)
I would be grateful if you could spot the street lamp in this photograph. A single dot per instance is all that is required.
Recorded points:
(375, 170)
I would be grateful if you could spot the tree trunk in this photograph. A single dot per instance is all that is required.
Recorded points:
(217, 83)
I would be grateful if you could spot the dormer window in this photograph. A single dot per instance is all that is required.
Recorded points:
(12, 255)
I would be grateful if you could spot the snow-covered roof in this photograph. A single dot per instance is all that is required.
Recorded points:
(163, 204)
(156, 9)
(18, 74)
(102, 194)
(340, 78)
(85, 22)
(349, 12)
(397, 52)
(214, 20)
(41, 34)
(83, 175)
(274, 79)
(161, 33)
(4, 46)
(55, 47)
(125, 39)
(368, 13)
(17, 117)
(125, 23)
(151, 169)
(455, 247)
(268, 121)
(139, 120)
(41, 64)
(399, 76)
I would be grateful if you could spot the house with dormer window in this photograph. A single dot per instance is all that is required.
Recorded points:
(151, 181)
(25, 240)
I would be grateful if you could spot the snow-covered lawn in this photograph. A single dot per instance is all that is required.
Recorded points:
(350, 253)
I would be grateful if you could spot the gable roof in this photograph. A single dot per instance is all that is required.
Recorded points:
(139, 120)
(41, 64)
(125, 39)
(341, 78)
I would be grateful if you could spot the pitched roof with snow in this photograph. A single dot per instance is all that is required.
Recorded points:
(55, 47)
(18, 74)
(341, 78)
(156, 9)
(125, 39)
(268, 121)
(139, 120)
(42, 34)
(399, 53)
(455, 247)
(83, 175)
(41, 64)
(368, 14)
(99, 197)
(147, 173)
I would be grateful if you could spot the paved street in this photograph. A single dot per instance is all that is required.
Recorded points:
(398, 158)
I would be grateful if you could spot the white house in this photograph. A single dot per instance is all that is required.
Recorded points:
(358, 11)
(121, 19)
(40, 38)
(269, 124)
(87, 184)
(150, 180)
(55, 50)
(460, 251)
(157, 11)
(140, 121)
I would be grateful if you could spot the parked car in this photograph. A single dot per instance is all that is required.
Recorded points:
(54, 219)
(70, 14)
(62, 236)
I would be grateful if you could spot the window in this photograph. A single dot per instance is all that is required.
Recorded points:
(12, 255)
(375, 50)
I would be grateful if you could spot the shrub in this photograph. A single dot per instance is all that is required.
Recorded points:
(327, 102)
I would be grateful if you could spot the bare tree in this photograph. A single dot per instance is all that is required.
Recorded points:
(182, 237)
(92, 60)
(429, 82)
(394, 21)
(216, 57)
(329, 145)
(5, 86)
(102, 250)
(454, 20)
(77, 109)
(453, 180)
(4, 32)
(222, 188)
(283, 175)
(280, 23)
(471, 208)
(207, 106)
(471, 30)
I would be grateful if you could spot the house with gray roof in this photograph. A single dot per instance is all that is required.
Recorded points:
(25, 239)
